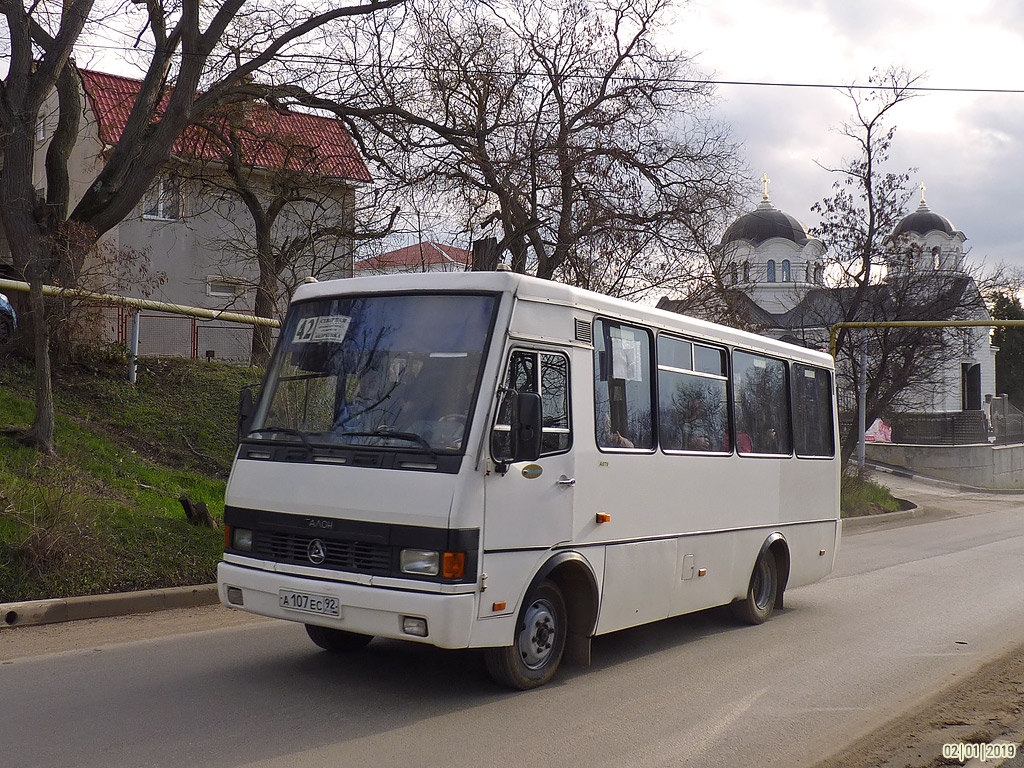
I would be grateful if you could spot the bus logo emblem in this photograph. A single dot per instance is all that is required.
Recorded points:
(316, 552)
(532, 471)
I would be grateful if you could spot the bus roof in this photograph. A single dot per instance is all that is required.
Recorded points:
(527, 287)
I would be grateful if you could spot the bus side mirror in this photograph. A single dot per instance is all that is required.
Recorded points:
(527, 429)
(245, 411)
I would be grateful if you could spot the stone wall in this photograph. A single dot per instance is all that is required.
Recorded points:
(998, 467)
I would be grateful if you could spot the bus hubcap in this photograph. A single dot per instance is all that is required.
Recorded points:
(762, 586)
(537, 637)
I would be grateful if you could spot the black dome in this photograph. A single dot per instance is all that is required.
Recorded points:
(922, 221)
(764, 223)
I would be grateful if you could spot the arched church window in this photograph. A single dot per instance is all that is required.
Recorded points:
(819, 273)
(734, 273)
(785, 270)
(807, 272)
(746, 271)
(936, 261)
(771, 271)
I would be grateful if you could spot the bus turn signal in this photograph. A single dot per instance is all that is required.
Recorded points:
(453, 565)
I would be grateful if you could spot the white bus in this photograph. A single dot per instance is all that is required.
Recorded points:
(489, 460)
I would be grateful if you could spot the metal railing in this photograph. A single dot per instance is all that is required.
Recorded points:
(1007, 421)
(130, 313)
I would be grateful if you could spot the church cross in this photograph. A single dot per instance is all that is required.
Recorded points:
(922, 192)
(766, 181)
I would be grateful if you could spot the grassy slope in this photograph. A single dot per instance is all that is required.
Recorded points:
(103, 515)
(865, 497)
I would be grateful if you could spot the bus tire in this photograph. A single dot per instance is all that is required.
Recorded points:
(757, 606)
(337, 640)
(538, 644)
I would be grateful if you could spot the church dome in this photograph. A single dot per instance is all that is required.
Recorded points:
(922, 221)
(764, 223)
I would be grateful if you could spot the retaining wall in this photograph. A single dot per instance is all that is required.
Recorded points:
(982, 465)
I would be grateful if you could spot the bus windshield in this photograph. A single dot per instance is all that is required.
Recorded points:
(377, 370)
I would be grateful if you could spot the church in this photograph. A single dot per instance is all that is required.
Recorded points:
(775, 276)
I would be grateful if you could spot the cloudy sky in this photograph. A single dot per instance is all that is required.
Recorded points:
(968, 147)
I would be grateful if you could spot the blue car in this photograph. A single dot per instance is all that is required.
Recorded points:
(8, 320)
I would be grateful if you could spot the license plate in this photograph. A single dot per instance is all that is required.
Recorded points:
(307, 602)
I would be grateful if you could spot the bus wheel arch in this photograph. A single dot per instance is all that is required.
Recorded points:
(779, 547)
(561, 601)
(574, 576)
(767, 583)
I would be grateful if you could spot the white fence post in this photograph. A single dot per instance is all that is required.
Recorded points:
(133, 347)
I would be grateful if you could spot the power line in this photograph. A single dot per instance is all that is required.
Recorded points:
(312, 59)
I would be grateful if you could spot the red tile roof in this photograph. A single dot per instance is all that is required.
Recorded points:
(294, 140)
(418, 256)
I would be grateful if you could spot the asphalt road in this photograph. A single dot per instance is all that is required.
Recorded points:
(911, 608)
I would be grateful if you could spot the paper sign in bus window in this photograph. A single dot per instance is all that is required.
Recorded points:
(627, 361)
(329, 328)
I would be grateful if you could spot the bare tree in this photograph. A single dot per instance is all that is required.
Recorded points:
(562, 123)
(871, 274)
(298, 200)
(197, 58)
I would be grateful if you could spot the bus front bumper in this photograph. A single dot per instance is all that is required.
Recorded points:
(364, 609)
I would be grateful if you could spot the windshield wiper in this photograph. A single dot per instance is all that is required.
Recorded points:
(287, 431)
(411, 437)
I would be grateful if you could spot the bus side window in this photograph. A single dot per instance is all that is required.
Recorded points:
(812, 412)
(761, 404)
(623, 412)
(693, 403)
(548, 376)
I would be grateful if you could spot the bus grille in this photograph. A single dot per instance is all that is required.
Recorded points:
(352, 556)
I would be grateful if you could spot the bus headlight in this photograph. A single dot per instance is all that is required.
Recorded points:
(242, 539)
(421, 561)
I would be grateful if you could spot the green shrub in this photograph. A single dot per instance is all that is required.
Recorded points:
(861, 496)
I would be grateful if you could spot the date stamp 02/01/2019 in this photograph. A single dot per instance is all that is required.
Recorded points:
(962, 752)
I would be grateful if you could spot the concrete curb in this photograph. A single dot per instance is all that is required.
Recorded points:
(32, 612)
(862, 521)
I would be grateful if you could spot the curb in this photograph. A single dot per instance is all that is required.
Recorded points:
(34, 612)
(862, 521)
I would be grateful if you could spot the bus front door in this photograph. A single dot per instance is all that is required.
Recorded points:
(530, 505)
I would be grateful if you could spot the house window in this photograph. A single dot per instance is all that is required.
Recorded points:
(163, 199)
(771, 270)
(40, 130)
(785, 270)
(223, 287)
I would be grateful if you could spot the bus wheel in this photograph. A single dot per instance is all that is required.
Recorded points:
(337, 640)
(757, 606)
(538, 643)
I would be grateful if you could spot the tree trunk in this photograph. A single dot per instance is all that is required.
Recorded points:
(41, 433)
(263, 306)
